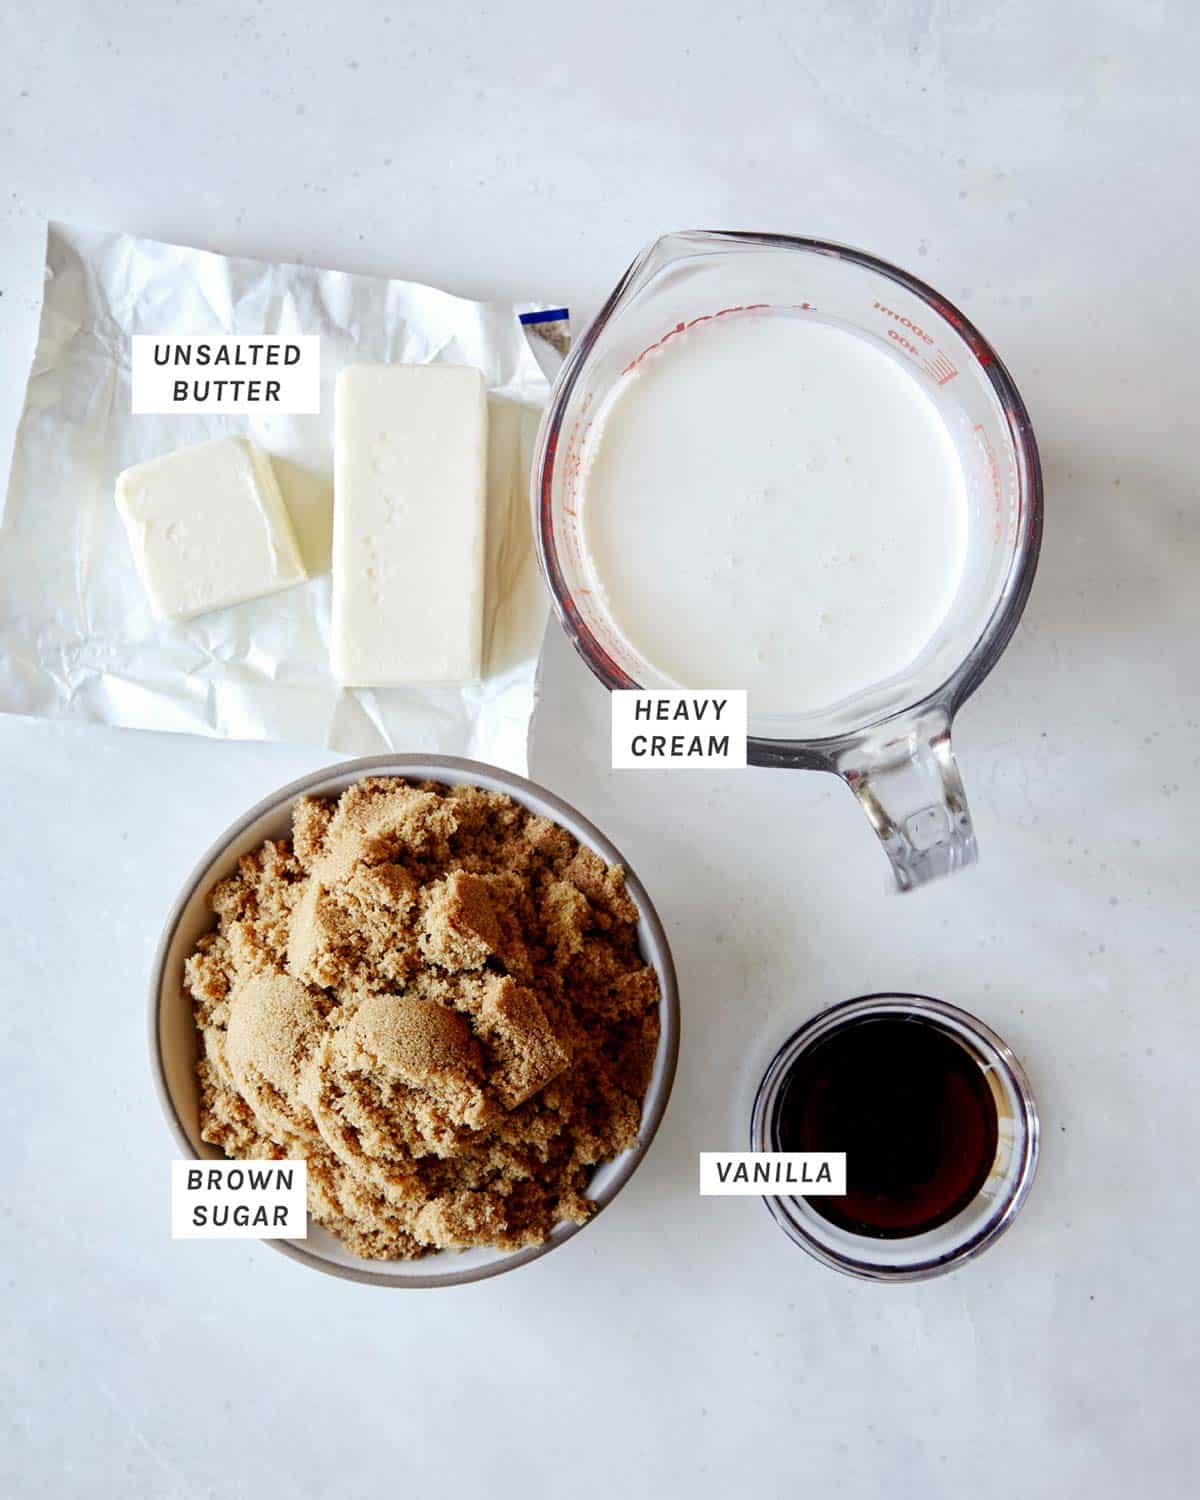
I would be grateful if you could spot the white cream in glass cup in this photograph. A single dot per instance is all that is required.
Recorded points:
(718, 294)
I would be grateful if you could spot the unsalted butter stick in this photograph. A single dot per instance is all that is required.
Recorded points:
(208, 528)
(410, 461)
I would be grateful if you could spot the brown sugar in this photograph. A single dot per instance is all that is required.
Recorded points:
(437, 999)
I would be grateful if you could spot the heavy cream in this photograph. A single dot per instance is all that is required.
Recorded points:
(773, 502)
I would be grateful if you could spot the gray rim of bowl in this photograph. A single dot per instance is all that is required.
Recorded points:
(426, 768)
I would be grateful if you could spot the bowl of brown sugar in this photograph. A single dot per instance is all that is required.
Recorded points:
(439, 986)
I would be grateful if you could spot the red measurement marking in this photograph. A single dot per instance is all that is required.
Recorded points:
(573, 461)
(940, 368)
(679, 328)
(934, 362)
(905, 344)
(989, 455)
(904, 322)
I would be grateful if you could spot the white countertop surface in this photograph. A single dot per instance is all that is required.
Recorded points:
(1034, 162)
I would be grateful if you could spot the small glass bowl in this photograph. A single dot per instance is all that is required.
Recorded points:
(984, 1219)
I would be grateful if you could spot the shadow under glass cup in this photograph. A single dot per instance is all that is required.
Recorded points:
(981, 1221)
(891, 742)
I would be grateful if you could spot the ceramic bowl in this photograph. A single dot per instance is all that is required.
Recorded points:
(174, 1042)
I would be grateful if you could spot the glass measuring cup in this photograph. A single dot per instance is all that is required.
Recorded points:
(890, 742)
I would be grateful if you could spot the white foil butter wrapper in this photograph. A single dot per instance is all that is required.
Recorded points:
(77, 636)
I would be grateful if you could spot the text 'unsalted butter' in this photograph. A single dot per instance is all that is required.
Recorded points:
(226, 373)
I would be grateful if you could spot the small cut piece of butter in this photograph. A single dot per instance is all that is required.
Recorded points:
(410, 462)
(208, 528)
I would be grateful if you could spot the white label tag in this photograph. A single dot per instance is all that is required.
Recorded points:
(678, 728)
(772, 1174)
(228, 373)
(239, 1200)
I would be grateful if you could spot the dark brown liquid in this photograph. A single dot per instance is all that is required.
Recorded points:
(911, 1109)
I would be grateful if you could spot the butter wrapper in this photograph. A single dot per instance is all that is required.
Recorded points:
(77, 637)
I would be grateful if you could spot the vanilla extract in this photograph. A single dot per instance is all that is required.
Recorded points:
(914, 1113)
(780, 1174)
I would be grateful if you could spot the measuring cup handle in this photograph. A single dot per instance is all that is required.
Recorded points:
(907, 780)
